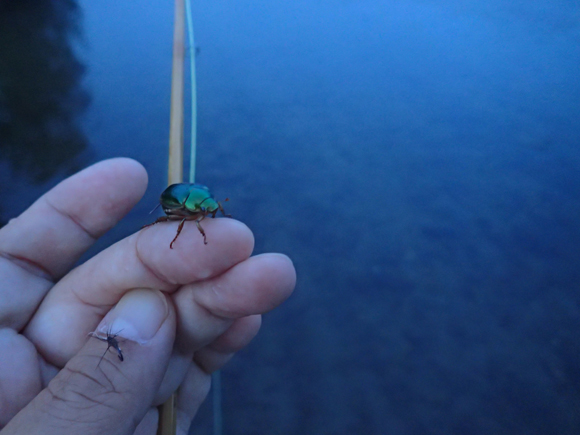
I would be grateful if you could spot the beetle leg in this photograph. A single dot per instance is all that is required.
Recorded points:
(179, 228)
(161, 219)
(222, 209)
(197, 222)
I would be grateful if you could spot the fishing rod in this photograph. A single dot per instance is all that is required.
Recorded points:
(167, 412)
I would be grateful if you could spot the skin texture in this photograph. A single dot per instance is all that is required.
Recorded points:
(179, 314)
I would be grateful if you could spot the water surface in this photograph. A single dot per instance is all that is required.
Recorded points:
(419, 162)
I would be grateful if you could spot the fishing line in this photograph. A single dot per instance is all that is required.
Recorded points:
(216, 376)
(192, 50)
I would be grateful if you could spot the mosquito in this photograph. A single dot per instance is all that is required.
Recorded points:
(111, 341)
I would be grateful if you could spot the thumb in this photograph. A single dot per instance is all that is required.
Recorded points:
(91, 395)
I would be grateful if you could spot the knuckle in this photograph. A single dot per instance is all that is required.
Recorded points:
(92, 401)
(84, 393)
(80, 389)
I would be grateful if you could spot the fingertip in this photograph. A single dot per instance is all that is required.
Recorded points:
(234, 228)
(100, 195)
(243, 232)
(229, 242)
(238, 335)
(137, 316)
(278, 269)
(254, 286)
(129, 175)
(131, 168)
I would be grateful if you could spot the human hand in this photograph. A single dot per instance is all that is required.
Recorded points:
(179, 313)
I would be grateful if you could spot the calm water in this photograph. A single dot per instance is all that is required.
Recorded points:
(418, 161)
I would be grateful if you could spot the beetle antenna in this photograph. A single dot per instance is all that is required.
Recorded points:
(156, 207)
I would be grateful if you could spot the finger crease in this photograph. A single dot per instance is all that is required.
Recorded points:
(101, 308)
(160, 278)
(211, 313)
(92, 379)
(29, 266)
(74, 219)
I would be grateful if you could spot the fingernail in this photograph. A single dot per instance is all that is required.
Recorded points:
(137, 316)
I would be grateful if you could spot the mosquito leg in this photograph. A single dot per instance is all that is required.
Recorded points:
(104, 353)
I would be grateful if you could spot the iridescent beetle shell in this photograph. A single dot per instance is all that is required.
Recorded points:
(185, 201)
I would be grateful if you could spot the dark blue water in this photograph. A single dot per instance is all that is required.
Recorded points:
(418, 161)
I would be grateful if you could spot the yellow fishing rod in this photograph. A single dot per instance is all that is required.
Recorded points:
(167, 413)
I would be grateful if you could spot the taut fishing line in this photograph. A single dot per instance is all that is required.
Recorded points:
(216, 376)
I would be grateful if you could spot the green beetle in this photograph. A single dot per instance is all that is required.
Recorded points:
(186, 202)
